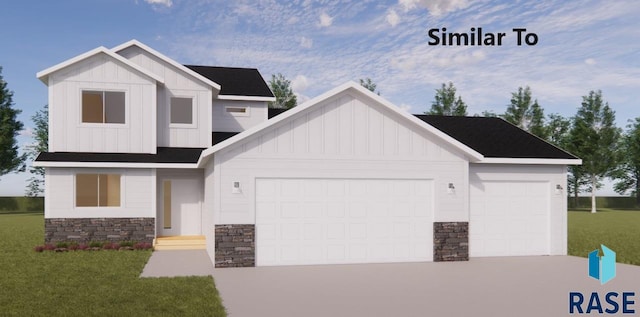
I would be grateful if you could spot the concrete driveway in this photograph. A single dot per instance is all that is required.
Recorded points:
(504, 286)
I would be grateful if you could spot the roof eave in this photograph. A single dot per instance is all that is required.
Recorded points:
(114, 164)
(531, 161)
(246, 98)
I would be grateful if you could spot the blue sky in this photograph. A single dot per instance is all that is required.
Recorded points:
(583, 45)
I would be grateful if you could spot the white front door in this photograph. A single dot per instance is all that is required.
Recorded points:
(181, 212)
(509, 218)
(333, 221)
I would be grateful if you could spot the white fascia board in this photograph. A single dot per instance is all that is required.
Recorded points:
(44, 75)
(115, 165)
(532, 161)
(167, 60)
(246, 98)
(319, 99)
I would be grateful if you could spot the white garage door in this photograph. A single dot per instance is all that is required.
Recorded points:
(332, 221)
(509, 218)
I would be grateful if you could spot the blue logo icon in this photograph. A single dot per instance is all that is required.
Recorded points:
(602, 268)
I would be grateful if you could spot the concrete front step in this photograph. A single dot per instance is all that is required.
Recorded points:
(180, 243)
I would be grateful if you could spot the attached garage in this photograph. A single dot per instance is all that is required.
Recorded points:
(348, 177)
(339, 221)
(509, 218)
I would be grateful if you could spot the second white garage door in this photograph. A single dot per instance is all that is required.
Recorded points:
(333, 221)
(509, 218)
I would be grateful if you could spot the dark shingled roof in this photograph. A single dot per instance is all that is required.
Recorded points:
(235, 81)
(164, 155)
(272, 112)
(218, 137)
(495, 137)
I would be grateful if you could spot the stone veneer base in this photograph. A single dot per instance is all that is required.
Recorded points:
(235, 245)
(450, 241)
(83, 230)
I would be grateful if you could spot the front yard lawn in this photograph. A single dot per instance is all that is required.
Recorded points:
(89, 283)
(617, 229)
(106, 283)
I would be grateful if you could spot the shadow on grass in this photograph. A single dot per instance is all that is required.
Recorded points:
(588, 210)
(3, 212)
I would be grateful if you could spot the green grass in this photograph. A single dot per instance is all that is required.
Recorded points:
(617, 229)
(83, 283)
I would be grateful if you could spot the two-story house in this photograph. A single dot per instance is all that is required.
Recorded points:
(142, 147)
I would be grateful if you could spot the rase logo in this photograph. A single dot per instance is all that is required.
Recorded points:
(602, 268)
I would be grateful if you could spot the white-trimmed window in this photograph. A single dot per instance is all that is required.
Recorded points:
(181, 111)
(98, 190)
(239, 111)
(103, 106)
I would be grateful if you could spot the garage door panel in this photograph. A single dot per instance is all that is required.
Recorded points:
(344, 221)
(358, 231)
(401, 230)
(313, 231)
(335, 210)
(509, 218)
(268, 211)
(422, 229)
(357, 210)
(358, 252)
(288, 188)
(312, 252)
(267, 232)
(312, 210)
(335, 253)
(289, 210)
(335, 231)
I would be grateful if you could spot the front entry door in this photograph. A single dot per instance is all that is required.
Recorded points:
(180, 211)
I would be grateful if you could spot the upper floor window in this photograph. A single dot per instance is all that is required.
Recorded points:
(103, 106)
(97, 190)
(181, 110)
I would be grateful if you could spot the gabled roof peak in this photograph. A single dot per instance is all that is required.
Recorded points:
(166, 59)
(44, 75)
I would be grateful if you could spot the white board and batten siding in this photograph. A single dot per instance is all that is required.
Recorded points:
(224, 121)
(345, 138)
(517, 210)
(67, 133)
(137, 194)
(176, 84)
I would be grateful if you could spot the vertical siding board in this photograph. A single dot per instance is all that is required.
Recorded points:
(314, 131)
(331, 128)
(360, 128)
(375, 131)
(389, 138)
(404, 140)
(345, 124)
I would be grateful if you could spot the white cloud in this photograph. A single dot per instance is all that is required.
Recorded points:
(325, 19)
(300, 98)
(293, 20)
(392, 18)
(435, 7)
(405, 107)
(166, 3)
(299, 84)
(28, 132)
(306, 42)
(590, 61)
